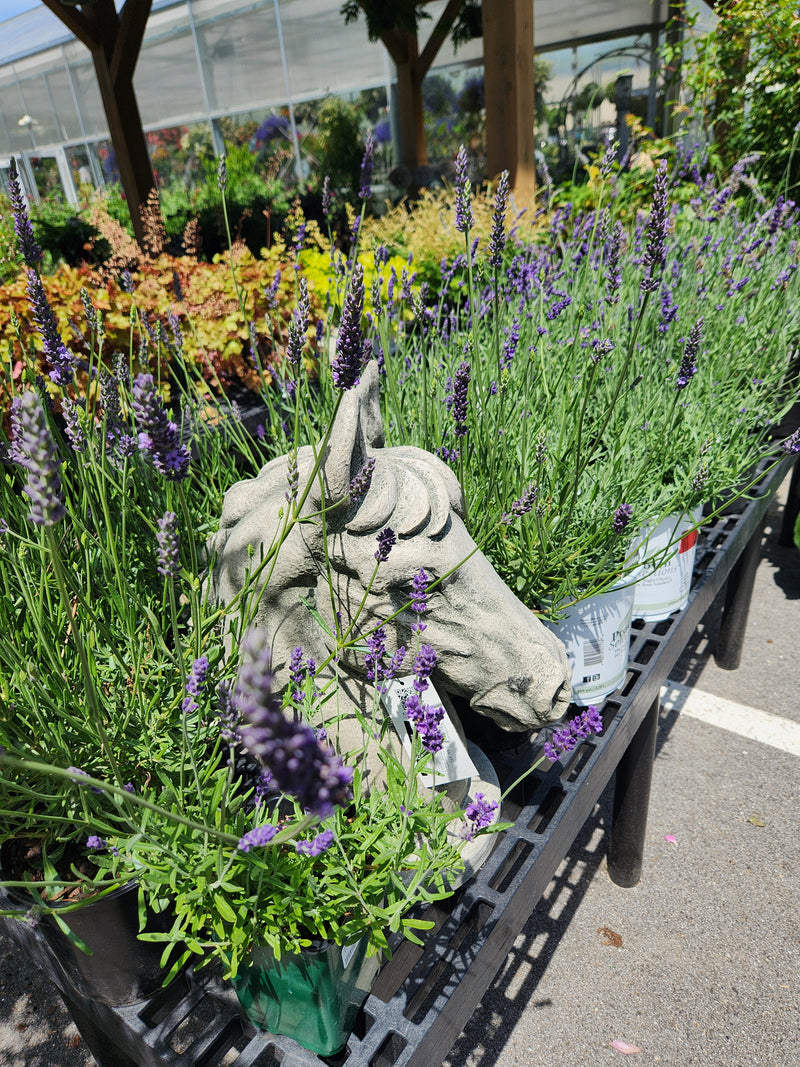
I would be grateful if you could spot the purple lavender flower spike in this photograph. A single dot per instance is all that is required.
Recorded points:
(656, 250)
(419, 605)
(326, 196)
(168, 545)
(158, 436)
(303, 310)
(613, 274)
(376, 650)
(359, 486)
(72, 426)
(423, 717)
(195, 683)
(464, 218)
(257, 838)
(177, 332)
(367, 163)
(296, 341)
(265, 786)
(35, 450)
(791, 446)
(425, 720)
(570, 736)
(688, 363)
(197, 676)
(301, 766)
(222, 173)
(497, 238)
(557, 307)
(460, 398)
(297, 675)
(228, 715)
(346, 365)
(315, 846)
(478, 814)
(54, 347)
(387, 539)
(622, 516)
(396, 662)
(523, 505)
(292, 477)
(95, 842)
(424, 664)
(26, 242)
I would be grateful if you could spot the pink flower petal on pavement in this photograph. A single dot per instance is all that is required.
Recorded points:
(670, 839)
(625, 1048)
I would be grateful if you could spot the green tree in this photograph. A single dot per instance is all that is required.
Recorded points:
(745, 77)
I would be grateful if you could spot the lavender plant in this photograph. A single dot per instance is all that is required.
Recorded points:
(642, 366)
(135, 741)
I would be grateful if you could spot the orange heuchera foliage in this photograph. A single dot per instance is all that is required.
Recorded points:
(203, 297)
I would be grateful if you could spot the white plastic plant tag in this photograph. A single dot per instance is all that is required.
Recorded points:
(451, 763)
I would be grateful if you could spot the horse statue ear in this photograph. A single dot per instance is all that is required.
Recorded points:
(358, 427)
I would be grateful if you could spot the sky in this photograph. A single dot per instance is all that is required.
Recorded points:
(9, 8)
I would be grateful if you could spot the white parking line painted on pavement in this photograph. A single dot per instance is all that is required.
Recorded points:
(738, 718)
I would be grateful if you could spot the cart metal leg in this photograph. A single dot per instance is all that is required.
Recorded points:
(792, 509)
(728, 653)
(631, 802)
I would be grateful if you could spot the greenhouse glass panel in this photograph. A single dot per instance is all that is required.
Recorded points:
(107, 159)
(323, 54)
(167, 78)
(61, 94)
(13, 112)
(177, 153)
(562, 22)
(240, 54)
(469, 52)
(38, 102)
(87, 92)
(79, 164)
(48, 180)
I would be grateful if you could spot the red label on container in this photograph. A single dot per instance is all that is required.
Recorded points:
(688, 541)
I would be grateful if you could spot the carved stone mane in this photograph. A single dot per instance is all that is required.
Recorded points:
(491, 649)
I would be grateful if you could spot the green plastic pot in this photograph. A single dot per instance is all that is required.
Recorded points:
(312, 997)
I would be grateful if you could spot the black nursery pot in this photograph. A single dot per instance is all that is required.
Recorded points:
(121, 970)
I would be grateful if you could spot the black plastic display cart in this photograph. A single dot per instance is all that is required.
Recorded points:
(424, 997)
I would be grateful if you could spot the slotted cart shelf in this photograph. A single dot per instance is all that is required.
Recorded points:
(424, 997)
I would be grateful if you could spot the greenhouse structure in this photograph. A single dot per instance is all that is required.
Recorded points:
(205, 63)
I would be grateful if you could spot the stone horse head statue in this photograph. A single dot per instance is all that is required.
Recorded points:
(490, 648)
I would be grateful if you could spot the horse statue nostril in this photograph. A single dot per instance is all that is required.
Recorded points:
(520, 686)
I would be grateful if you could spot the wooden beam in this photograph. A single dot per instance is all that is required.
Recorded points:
(437, 37)
(132, 22)
(74, 20)
(114, 43)
(509, 88)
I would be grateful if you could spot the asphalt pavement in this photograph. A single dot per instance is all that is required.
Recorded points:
(698, 965)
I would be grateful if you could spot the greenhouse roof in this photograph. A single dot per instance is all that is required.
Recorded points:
(558, 23)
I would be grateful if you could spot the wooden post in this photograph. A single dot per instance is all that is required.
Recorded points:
(509, 87)
(412, 66)
(676, 16)
(410, 112)
(114, 41)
